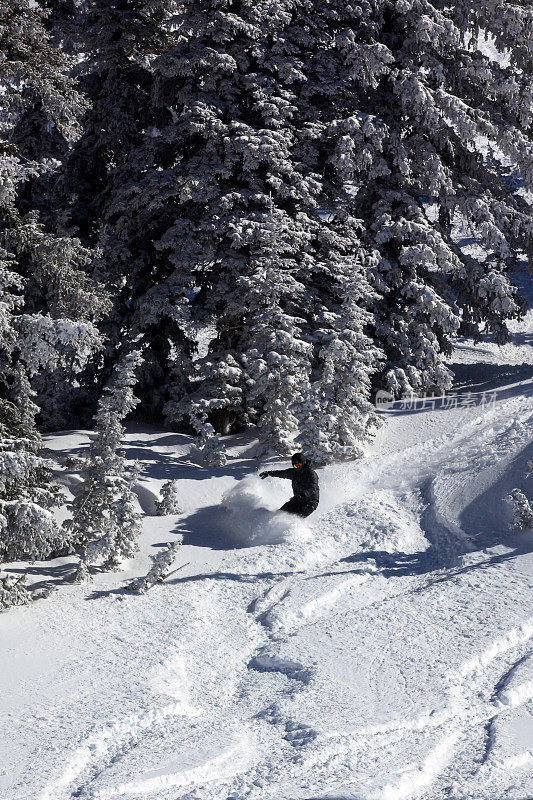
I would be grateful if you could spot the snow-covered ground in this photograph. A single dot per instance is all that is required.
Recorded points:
(382, 649)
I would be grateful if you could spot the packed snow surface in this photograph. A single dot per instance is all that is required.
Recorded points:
(381, 649)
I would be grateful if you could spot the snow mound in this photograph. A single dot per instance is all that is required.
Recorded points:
(248, 522)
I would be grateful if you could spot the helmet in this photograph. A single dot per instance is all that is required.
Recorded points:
(298, 458)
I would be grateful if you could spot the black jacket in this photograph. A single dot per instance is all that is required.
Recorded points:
(304, 482)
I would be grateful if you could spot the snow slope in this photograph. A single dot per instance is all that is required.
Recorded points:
(381, 650)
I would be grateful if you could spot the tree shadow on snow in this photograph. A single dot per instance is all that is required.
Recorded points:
(394, 565)
(486, 518)
(487, 377)
(204, 528)
(97, 594)
(474, 385)
(168, 465)
(53, 575)
(238, 577)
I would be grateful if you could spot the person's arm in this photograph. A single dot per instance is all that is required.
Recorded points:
(277, 473)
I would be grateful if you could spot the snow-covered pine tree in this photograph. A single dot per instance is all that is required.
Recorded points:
(115, 43)
(339, 414)
(27, 525)
(429, 98)
(315, 115)
(169, 501)
(522, 510)
(27, 528)
(63, 306)
(159, 570)
(277, 358)
(218, 376)
(38, 104)
(125, 524)
(254, 91)
(103, 473)
(13, 591)
(114, 191)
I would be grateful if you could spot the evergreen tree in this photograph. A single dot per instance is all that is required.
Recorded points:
(57, 304)
(27, 526)
(125, 525)
(236, 150)
(522, 510)
(13, 591)
(62, 306)
(262, 217)
(427, 98)
(159, 570)
(39, 106)
(96, 517)
(169, 502)
(105, 191)
(218, 377)
(339, 415)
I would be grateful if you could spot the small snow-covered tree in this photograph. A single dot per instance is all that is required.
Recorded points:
(121, 530)
(126, 521)
(522, 510)
(209, 445)
(169, 502)
(28, 531)
(103, 473)
(13, 591)
(82, 572)
(219, 377)
(27, 525)
(160, 568)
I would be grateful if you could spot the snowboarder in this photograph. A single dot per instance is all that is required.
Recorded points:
(304, 486)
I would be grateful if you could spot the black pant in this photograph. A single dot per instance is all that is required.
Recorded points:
(302, 508)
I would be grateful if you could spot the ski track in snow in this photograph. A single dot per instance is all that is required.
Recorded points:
(271, 750)
(468, 709)
(465, 711)
(110, 743)
(284, 617)
(220, 767)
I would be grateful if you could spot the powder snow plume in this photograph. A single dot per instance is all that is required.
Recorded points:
(248, 521)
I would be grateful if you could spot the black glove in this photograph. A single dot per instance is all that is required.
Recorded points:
(264, 475)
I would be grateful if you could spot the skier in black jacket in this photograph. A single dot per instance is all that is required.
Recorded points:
(304, 486)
